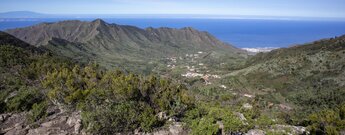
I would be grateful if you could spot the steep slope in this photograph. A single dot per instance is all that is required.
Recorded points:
(30, 97)
(42, 94)
(113, 45)
(309, 77)
(7, 39)
(78, 31)
(17, 56)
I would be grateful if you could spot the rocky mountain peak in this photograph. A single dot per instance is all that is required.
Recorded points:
(99, 22)
(189, 29)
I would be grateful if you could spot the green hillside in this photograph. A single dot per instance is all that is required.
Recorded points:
(107, 79)
(122, 46)
(299, 80)
(35, 82)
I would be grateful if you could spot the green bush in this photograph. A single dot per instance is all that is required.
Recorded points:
(231, 122)
(38, 112)
(204, 120)
(11, 56)
(264, 121)
(24, 99)
(110, 101)
(330, 130)
(111, 119)
(2, 106)
(204, 126)
(148, 119)
(329, 121)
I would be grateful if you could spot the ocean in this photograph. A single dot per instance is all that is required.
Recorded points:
(242, 33)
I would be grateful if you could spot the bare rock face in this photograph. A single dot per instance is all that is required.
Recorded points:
(13, 124)
(175, 128)
(342, 132)
(62, 124)
(295, 130)
(255, 132)
(59, 123)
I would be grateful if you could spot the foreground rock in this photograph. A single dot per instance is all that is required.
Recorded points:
(69, 123)
(65, 123)
(255, 132)
(62, 124)
(13, 124)
(57, 123)
(175, 128)
(288, 129)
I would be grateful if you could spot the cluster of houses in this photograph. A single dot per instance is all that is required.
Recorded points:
(194, 68)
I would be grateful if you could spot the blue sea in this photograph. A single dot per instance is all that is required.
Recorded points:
(242, 33)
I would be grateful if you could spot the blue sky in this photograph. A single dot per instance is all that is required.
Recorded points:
(299, 8)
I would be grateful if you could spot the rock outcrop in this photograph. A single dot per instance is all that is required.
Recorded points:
(295, 130)
(255, 132)
(58, 123)
(13, 124)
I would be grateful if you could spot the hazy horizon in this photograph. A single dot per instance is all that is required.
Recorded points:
(32, 14)
(272, 8)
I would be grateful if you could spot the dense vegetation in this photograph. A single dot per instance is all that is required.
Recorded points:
(303, 81)
(112, 101)
(32, 81)
(302, 86)
(109, 101)
(329, 121)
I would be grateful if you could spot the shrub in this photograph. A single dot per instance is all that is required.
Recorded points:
(203, 119)
(11, 56)
(37, 112)
(2, 106)
(264, 121)
(148, 119)
(24, 99)
(205, 125)
(112, 101)
(111, 119)
(330, 130)
(328, 121)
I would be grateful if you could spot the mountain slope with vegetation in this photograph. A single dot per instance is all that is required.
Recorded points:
(122, 46)
(316, 66)
(300, 80)
(40, 88)
(42, 93)
(59, 85)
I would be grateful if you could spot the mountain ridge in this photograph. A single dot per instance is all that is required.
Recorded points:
(98, 25)
(113, 44)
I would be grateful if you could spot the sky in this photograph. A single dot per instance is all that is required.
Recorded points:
(295, 8)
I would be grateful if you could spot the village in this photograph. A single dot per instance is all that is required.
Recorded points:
(192, 67)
